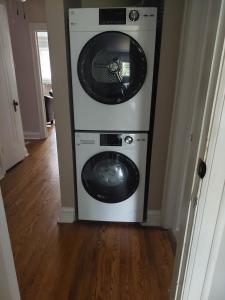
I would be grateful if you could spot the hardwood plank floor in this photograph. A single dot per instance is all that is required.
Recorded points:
(81, 261)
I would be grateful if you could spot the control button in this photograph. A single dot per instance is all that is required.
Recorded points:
(128, 139)
(134, 15)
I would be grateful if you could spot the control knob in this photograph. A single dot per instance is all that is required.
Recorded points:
(134, 15)
(128, 139)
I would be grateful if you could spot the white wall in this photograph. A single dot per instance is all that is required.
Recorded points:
(172, 22)
(55, 12)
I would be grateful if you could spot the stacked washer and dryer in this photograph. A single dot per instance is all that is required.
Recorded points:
(112, 58)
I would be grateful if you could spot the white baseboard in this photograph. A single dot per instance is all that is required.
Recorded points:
(2, 173)
(153, 218)
(176, 234)
(66, 215)
(31, 135)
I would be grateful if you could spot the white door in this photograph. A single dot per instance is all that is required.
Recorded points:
(209, 222)
(198, 148)
(12, 147)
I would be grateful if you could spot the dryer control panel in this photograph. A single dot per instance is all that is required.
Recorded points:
(113, 16)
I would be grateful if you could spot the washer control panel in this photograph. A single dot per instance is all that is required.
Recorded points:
(111, 140)
(119, 139)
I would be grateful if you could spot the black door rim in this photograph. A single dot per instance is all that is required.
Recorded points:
(110, 194)
(137, 84)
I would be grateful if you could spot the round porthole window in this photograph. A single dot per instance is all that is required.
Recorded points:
(112, 67)
(110, 177)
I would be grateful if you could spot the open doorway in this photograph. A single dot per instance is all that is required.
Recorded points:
(45, 69)
(43, 78)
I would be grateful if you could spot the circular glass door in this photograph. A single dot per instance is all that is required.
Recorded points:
(110, 177)
(112, 67)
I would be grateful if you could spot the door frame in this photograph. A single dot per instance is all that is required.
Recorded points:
(188, 278)
(209, 222)
(8, 279)
(182, 123)
(33, 28)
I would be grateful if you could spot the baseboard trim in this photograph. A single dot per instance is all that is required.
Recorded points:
(2, 173)
(153, 218)
(32, 135)
(66, 215)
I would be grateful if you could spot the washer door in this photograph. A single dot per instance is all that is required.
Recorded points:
(110, 177)
(112, 67)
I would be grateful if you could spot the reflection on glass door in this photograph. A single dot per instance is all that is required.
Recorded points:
(112, 67)
(110, 177)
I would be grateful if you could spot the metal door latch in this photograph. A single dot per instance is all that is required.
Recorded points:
(201, 168)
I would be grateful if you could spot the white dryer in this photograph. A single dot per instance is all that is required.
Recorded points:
(112, 57)
(110, 169)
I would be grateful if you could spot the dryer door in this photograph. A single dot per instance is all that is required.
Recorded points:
(112, 67)
(110, 177)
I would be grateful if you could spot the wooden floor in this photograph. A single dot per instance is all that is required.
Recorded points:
(82, 261)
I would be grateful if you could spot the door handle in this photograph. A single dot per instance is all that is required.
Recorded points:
(201, 168)
(15, 104)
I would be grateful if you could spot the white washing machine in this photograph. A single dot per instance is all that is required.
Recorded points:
(110, 169)
(112, 57)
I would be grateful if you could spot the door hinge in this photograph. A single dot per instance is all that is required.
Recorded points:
(201, 168)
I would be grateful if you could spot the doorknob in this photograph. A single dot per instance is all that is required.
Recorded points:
(15, 104)
(201, 168)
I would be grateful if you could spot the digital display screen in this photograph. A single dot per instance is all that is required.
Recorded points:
(110, 140)
(109, 16)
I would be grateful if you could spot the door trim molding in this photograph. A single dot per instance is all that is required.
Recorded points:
(183, 118)
(209, 211)
(33, 27)
(8, 284)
